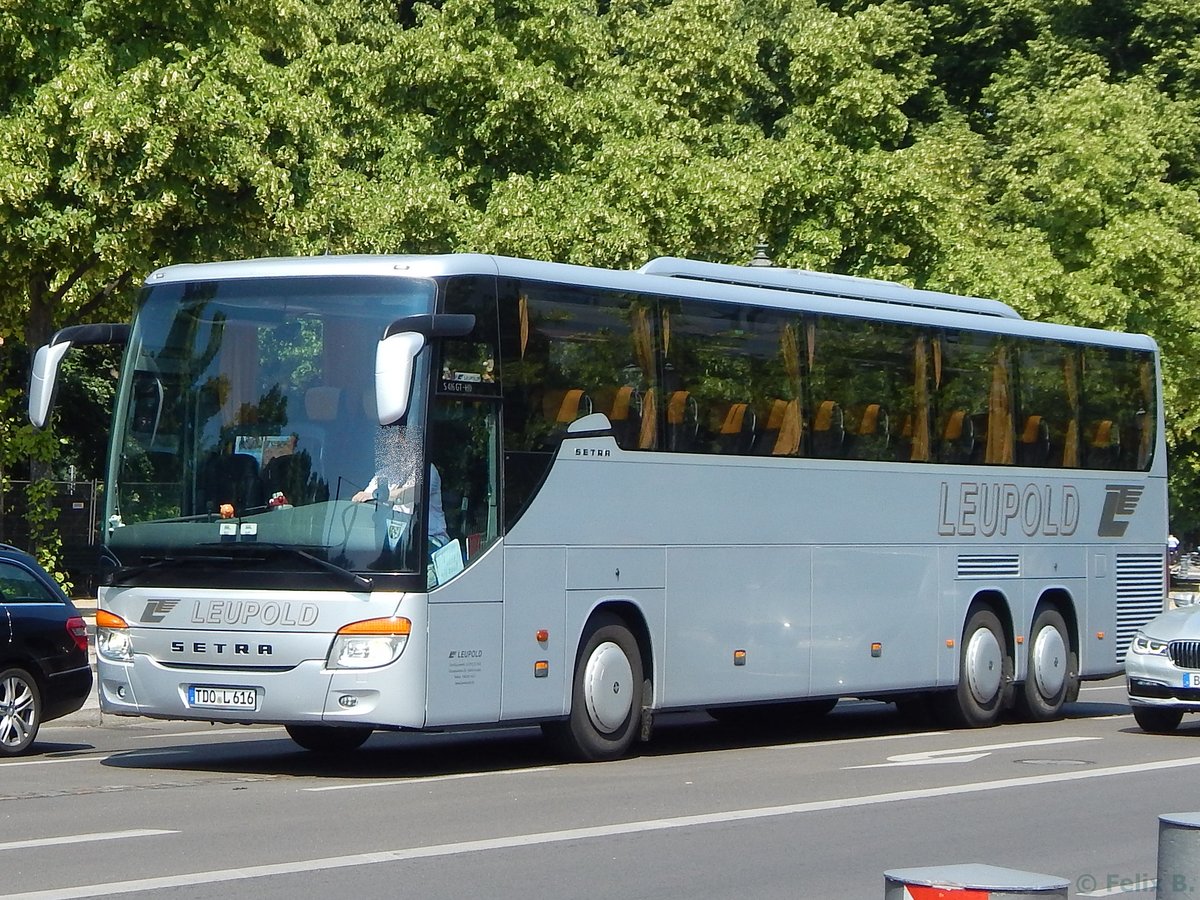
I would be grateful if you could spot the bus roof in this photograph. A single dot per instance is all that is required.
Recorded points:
(824, 284)
(770, 287)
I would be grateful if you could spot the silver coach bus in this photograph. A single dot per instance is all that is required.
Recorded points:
(354, 493)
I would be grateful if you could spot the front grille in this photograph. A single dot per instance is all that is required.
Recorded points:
(1185, 654)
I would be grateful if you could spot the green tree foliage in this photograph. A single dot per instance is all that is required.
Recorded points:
(1041, 152)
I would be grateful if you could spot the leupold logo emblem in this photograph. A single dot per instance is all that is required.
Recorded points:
(1121, 500)
(156, 610)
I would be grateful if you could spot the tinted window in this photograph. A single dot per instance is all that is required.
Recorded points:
(18, 585)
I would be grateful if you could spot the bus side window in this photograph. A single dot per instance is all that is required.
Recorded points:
(1103, 445)
(828, 430)
(871, 437)
(735, 425)
(958, 437)
(683, 423)
(784, 429)
(1033, 446)
(623, 406)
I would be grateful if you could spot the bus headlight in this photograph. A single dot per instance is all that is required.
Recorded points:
(112, 637)
(1148, 646)
(369, 644)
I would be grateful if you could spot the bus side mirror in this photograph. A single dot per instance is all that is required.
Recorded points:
(395, 359)
(396, 355)
(44, 377)
(43, 380)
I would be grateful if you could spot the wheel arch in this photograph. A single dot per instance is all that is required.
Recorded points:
(1061, 601)
(29, 664)
(995, 601)
(634, 619)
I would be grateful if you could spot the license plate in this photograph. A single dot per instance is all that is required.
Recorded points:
(1191, 679)
(222, 697)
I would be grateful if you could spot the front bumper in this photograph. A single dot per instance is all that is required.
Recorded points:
(308, 693)
(1157, 681)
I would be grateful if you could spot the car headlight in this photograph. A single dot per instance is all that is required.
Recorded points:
(1180, 599)
(369, 644)
(1148, 646)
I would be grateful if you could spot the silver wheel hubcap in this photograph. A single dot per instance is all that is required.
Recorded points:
(984, 666)
(16, 711)
(608, 687)
(1049, 661)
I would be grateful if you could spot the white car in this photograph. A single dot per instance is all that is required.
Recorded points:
(1162, 669)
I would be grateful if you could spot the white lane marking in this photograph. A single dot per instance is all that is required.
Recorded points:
(842, 742)
(83, 838)
(964, 754)
(51, 762)
(428, 778)
(578, 834)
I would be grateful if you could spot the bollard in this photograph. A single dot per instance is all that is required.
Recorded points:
(971, 882)
(1178, 855)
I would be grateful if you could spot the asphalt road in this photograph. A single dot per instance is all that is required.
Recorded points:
(704, 811)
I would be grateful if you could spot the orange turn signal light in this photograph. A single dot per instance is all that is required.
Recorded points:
(391, 625)
(105, 619)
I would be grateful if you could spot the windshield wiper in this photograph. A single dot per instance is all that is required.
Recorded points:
(125, 573)
(247, 550)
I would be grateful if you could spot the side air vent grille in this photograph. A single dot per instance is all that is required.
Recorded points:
(1003, 566)
(1139, 595)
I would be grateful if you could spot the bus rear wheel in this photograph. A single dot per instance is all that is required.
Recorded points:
(327, 738)
(984, 674)
(1050, 669)
(606, 694)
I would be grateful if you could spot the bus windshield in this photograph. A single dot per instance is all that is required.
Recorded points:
(246, 426)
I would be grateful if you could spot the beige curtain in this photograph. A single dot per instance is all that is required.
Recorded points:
(789, 347)
(1071, 440)
(523, 311)
(1000, 443)
(643, 350)
(920, 416)
(1147, 418)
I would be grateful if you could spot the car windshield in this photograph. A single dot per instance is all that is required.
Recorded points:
(246, 423)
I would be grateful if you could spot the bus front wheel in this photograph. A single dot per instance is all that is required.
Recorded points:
(606, 694)
(984, 674)
(1050, 670)
(327, 738)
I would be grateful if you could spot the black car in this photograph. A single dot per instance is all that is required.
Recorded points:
(44, 669)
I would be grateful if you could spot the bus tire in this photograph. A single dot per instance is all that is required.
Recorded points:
(328, 738)
(1157, 720)
(20, 711)
(984, 674)
(1050, 669)
(606, 694)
